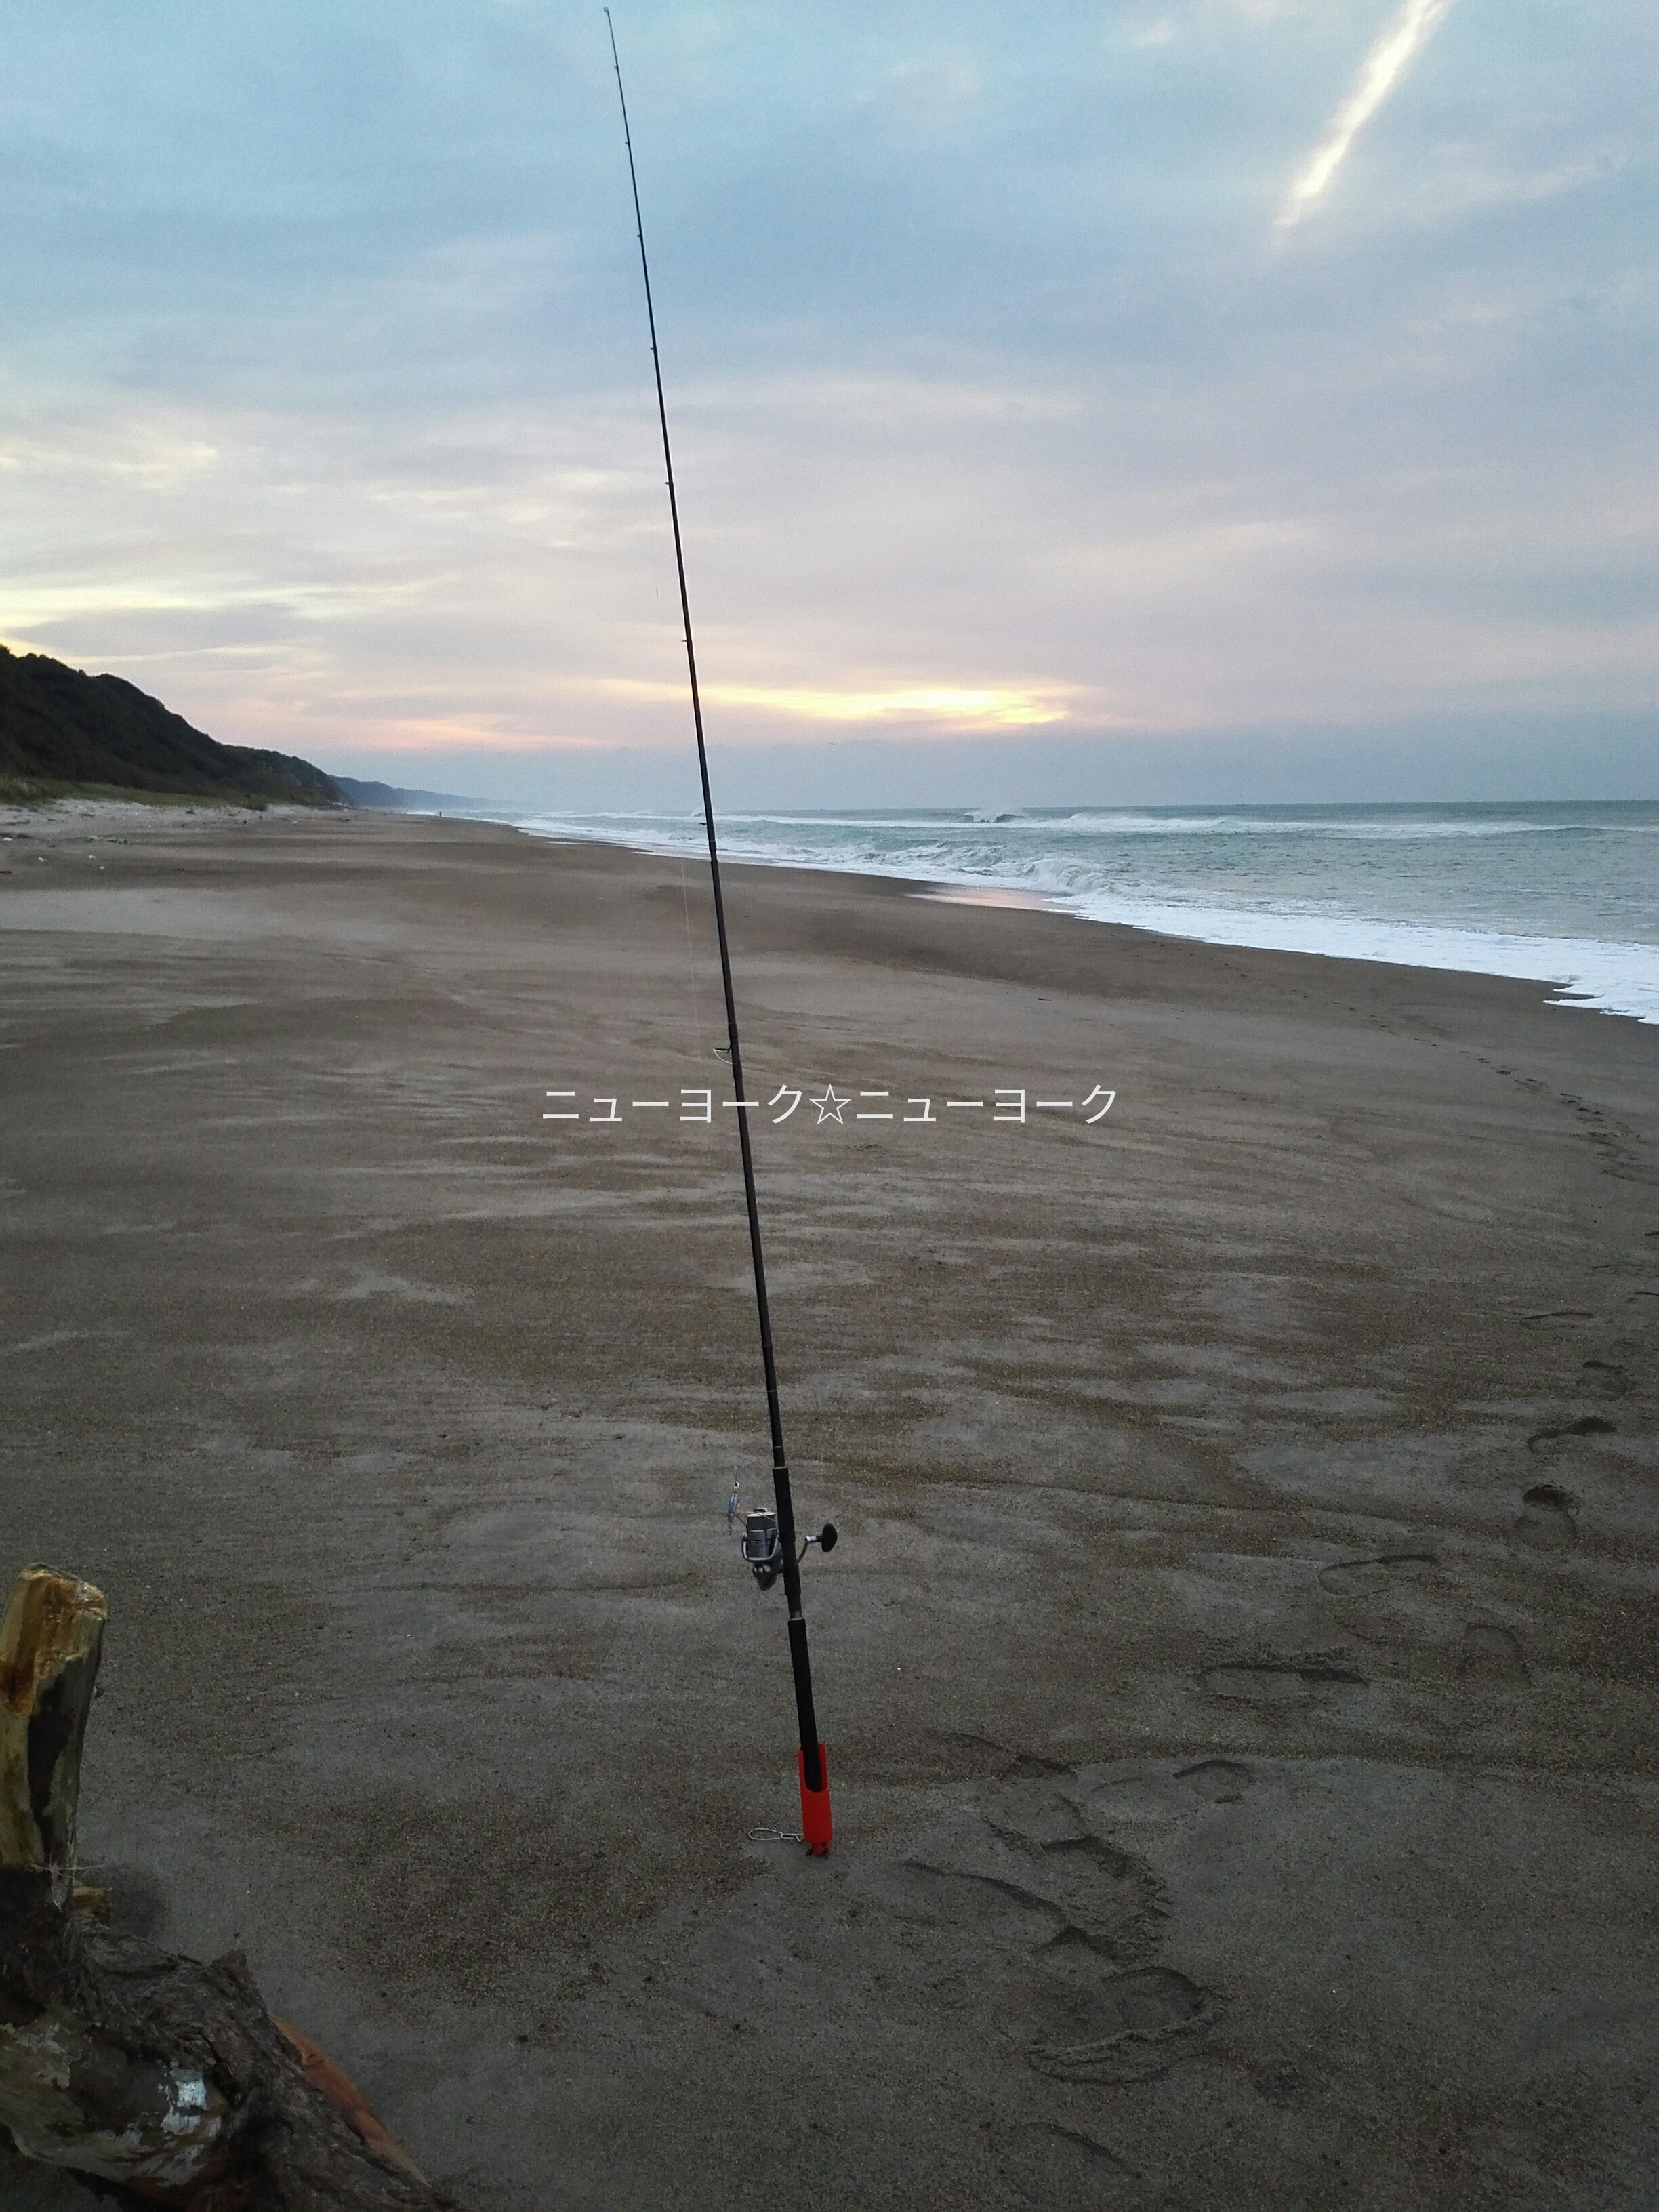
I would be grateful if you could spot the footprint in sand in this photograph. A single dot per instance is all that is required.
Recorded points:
(1004, 1885)
(1087, 2026)
(1037, 1813)
(1394, 1602)
(1607, 1377)
(1591, 1424)
(1492, 1654)
(1160, 1798)
(1548, 1516)
(1282, 1682)
(974, 1904)
(1378, 1578)
(1066, 1922)
(1107, 1894)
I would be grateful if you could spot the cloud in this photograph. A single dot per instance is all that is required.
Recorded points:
(325, 408)
(1406, 34)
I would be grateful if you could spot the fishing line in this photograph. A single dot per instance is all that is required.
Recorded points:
(772, 1536)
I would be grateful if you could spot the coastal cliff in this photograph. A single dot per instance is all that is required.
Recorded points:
(62, 730)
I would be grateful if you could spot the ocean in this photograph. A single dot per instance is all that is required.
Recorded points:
(1569, 894)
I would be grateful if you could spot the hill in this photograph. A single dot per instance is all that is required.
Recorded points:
(389, 797)
(59, 727)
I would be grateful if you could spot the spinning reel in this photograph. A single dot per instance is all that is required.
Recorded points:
(763, 1543)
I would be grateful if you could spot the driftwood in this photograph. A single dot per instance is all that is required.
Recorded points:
(163, 2077)
(50, 1639)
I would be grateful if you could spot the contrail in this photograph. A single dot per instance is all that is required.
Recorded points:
(1381, 69)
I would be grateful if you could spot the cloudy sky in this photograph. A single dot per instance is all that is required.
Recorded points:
(1146, 400)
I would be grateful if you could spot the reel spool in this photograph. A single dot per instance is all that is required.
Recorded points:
(762, 1545)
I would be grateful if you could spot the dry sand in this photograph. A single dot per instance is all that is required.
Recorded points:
(1239, 1668)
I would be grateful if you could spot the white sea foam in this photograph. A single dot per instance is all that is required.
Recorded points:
(1610, 978)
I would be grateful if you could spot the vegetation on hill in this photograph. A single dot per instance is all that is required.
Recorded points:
(61, 730)
(391, 798)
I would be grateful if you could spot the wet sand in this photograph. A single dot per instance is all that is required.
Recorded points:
(1239, 1665)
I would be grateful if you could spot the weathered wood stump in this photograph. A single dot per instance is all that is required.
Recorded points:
(164, 2077)
(51, 1636)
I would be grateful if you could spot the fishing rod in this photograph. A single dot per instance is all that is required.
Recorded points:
(769, 1536)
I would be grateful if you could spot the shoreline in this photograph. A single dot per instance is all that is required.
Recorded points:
(61, 821)
(1560, 962)
(1232, 1668)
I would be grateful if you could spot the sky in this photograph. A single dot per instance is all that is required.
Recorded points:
(1140, 402)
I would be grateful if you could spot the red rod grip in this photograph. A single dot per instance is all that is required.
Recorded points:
(815, 1826)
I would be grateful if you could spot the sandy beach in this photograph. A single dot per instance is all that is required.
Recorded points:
(1238, 1668)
